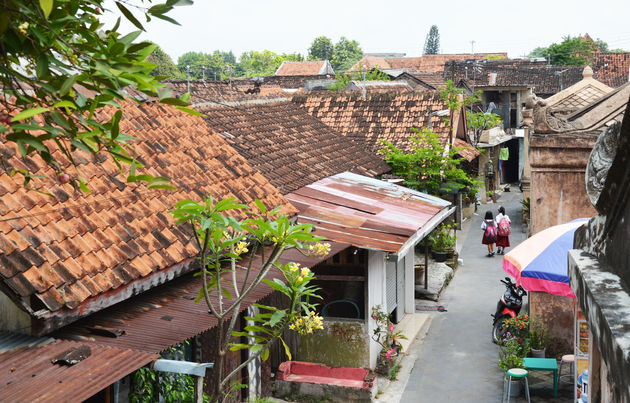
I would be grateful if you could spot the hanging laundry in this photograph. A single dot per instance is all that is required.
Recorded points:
(504, 154)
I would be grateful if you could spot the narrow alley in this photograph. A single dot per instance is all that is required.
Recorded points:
(457, 361)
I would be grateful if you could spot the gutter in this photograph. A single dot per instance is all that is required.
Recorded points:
(421, 233)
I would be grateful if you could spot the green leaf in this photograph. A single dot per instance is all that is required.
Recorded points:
(129, 16)
(191, 111)
(276, 317)
(261, 206)
(173, 101)
(67, 84)
(28, 113)
(161, 182)
(47, 6)
(42, 65)
(286, 349)
(65, 104)
(115, 124)
(264, 355)
(83, 186)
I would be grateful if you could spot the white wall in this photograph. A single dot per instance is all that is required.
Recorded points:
(376, 296)
(410, 281)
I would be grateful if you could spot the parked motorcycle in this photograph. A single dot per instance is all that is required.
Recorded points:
(508, 307)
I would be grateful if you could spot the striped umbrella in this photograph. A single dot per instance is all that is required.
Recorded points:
(540, 262)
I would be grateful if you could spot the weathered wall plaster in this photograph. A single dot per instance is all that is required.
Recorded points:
(13, 318)
(556, 313)
(605, 300)
(342, 343)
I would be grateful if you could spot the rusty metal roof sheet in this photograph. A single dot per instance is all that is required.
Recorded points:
(166, 315)
(27, 374)
(11, 341)
(367, 212)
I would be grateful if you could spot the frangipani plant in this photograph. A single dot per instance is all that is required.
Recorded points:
(253, 245)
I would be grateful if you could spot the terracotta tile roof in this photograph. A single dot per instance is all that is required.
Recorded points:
(304, 68)
(288, 146)
(380, 87)
(544, 80)
(378, 117)
(580, 94)
(612, 68)
(68, 251)
(429, 81)
(284, 82)
(224, 91)
(426, 63)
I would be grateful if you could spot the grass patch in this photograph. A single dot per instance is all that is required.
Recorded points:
(393, 373)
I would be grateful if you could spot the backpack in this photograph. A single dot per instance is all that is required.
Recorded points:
(490, 233)
(504, 227)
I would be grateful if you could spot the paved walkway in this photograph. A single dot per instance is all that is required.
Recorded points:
(457, 361)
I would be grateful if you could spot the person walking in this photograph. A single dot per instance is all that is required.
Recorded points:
(503, 231)
(489, 227)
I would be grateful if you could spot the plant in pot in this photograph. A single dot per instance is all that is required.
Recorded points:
(511, 355)
(389, 340)
(442, 241)
(538, 338)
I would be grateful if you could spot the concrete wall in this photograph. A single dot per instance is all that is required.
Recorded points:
(558, 190)
(410, 280)
(13, 318)
(557, 314)
(558, 195)
(342, 343)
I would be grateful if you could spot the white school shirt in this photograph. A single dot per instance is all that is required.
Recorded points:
(501, 217)
(484, 225)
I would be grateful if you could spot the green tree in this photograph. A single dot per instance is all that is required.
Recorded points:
(345, 54)
(455, 100)
(53, 47)
(480, 121)
(321, 49)
(223, 241)
(265, 63)
(575, 51)
(164, 66)
(432, 42)
(428, 166)
(342, 80)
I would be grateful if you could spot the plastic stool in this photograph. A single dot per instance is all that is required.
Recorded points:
(521, 374)
(569, 359)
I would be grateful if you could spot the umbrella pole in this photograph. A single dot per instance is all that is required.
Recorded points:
(426, 264)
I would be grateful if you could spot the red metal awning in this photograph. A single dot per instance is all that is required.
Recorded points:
(369, 213)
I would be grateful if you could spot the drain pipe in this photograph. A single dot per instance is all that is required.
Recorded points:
(196, 369)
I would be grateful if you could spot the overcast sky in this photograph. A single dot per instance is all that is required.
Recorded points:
(284, 26)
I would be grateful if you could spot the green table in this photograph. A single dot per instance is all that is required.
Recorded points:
(544, 364)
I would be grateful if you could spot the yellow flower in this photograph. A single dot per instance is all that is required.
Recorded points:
(23, 27)
(293, 267)
(304, 272)
(241, 248)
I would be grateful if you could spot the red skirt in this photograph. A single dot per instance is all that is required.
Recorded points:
(485, 240)
(503, 241)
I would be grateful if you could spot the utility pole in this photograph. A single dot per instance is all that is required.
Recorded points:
(364, 92)
(472, 47)
(187, 78)
(203, 74)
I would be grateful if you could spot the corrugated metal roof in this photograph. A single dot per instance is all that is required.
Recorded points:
(166, 315)
(367, 212)
(27, 374)
(11, 341)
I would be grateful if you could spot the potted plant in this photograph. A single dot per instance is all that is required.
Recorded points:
(511, 356)
(389, 340)
(538, 338)
(442, 241)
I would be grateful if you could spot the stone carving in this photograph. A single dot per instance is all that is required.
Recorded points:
(600, 161)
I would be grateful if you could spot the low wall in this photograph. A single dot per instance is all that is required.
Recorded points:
(342, 343)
